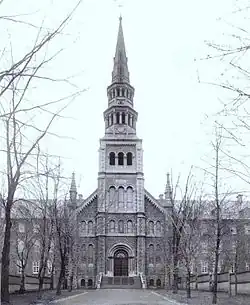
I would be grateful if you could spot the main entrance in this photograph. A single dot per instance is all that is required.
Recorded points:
(121, 263)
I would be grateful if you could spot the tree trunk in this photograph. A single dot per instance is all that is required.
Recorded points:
(236, 282)
(188, 286)
(5, 296)
(175, 276)
(40, 287)
(61, 278)
(70, 283)
(215, 283)
(22, 284)
(51, 282)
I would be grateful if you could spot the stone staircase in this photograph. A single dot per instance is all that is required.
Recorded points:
(126, 282)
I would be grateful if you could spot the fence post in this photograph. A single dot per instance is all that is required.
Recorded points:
(229, 284)
(210, 282)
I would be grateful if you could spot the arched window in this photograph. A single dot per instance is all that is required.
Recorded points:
(151, 282)
(82, 282)
(129, 158)
(129, 197)
(111, 197)
(151, 253)
(123, 92)
(112, 119)
(158, 283)
(121, 197)
(90, 227)
(151, 227)
(121, 226)
(158, 227)
(90, 253)
(90, 282)
(123, 118)
(83, 252)
(151, 249)
(82, 228)
(130, 226)
(120, 158)
(129, 119)
(112, 158)
(158, 248)
(117, 118)
(111, 226)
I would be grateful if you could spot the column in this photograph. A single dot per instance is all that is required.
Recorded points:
(109, 120)
(114, 118)
(126, 118)
(120, 117)
(141, 243)
(131, 120)
(125, 200)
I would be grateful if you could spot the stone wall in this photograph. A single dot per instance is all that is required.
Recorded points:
(31, 283)
(227, 282)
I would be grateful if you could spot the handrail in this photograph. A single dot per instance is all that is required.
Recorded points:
(143, 281)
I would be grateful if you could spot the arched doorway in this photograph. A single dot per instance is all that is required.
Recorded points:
(121, 263)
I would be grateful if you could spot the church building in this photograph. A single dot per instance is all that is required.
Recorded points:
(122, 230)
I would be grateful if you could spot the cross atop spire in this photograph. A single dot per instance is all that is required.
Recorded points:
(120, 72)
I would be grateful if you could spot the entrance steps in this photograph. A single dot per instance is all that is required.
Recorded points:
(125, 282)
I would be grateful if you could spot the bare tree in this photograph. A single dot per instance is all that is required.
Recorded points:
(219, 203)
(24, 240)
(40, 189)
(181, 211)
(191, 236)
(19, 146)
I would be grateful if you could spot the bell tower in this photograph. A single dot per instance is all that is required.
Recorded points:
(120, 177)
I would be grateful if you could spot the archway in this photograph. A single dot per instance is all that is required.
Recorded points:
(121, 263)
(90, 283)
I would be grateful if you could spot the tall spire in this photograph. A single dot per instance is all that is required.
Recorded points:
(168, 189)
(73, 190)
(73, 183)
(120, 72)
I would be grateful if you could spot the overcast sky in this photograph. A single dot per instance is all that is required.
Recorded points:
(165, 41)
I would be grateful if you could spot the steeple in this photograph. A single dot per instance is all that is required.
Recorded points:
(120, 92)
(120, 72)
(73, 190)
(120, 117)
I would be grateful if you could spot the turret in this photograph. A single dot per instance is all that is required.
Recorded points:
(168, 191)
(73, 191)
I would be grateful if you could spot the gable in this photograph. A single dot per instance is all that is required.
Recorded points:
(90, 200)
(154, 202)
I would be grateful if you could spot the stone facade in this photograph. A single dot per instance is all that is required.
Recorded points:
(121, 217)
